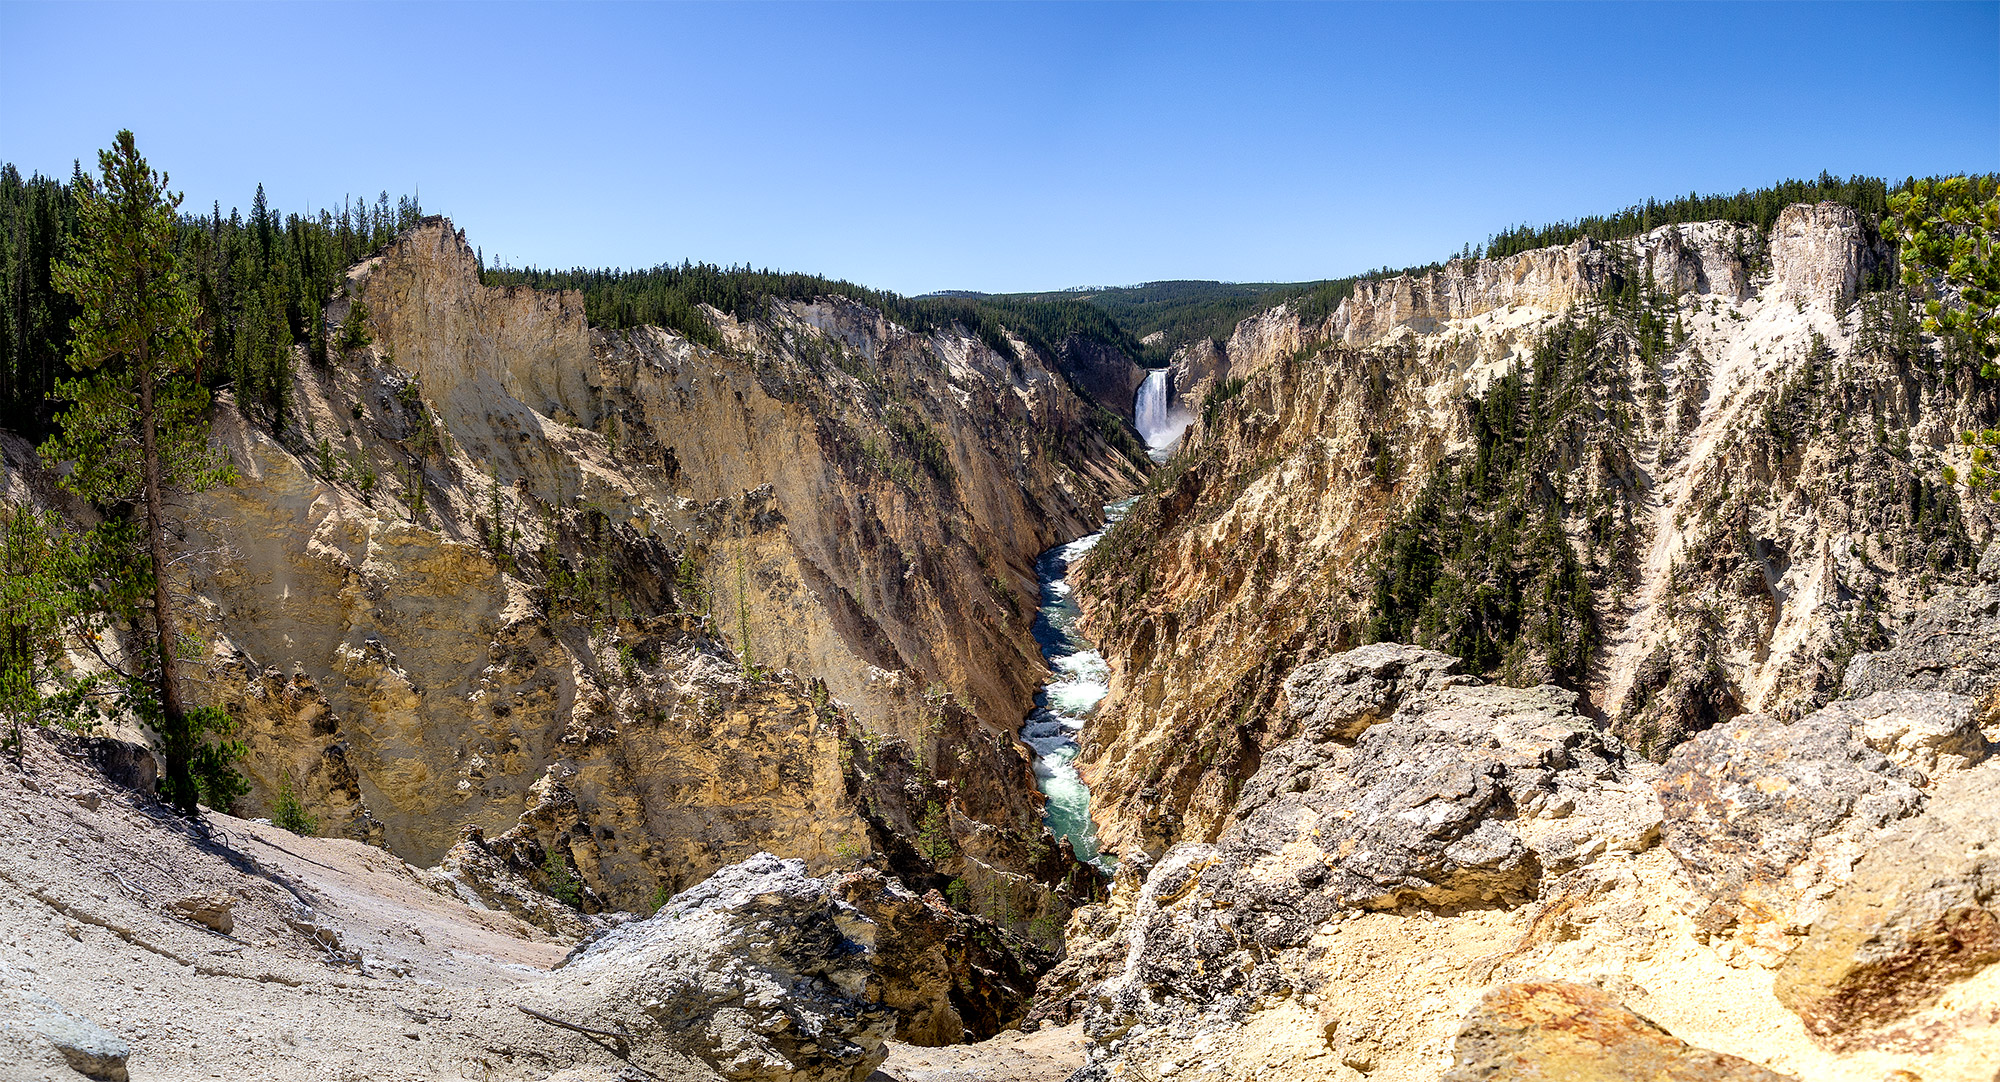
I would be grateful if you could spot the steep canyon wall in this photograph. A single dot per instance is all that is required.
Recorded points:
(617, 603)
(1689, 474)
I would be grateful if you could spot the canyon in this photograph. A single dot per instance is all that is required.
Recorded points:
(1746, 508)
(633, 609)
(1593, 639)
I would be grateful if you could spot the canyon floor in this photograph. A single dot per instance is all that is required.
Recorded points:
(339, 962)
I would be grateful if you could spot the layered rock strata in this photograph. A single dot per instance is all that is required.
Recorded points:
(1691, 474)
(632, 608)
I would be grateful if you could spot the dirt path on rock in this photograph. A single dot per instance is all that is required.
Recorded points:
(1049, 1055)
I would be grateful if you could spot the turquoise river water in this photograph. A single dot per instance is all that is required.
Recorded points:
(1079, 681)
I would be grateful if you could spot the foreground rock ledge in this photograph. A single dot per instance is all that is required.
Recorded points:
(757, 970)
(1439, 878)
(1573, 1032)
(769, 974)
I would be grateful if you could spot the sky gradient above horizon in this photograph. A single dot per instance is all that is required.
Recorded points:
(1006, 147)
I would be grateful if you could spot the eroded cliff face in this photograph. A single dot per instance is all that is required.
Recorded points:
(1106, 375)
(1513, 294)
(628, 609)
(1689, 474)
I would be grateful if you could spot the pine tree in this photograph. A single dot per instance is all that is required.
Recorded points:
(135, 426)
(39, 574)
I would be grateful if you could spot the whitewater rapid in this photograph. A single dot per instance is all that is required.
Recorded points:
(1079, 681)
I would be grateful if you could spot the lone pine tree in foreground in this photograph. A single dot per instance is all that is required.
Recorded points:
(135, 431)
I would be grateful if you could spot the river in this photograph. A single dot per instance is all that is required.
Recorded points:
(1078, 682)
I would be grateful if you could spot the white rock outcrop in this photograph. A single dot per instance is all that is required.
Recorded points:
(758, 970)
(1816, 251)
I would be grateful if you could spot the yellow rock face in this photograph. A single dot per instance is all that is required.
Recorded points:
(502, 569)
(1722, 491)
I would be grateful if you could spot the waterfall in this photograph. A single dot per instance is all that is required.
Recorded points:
(1150, 408)
(1157, 420)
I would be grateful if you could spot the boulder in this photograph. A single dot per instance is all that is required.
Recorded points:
(1426, 806)
(759, 970)
(212, 910)
(1577, 1033)
(949, 976)
(125, 763)
(1930, 731)
(29, 1019)
(1922, 911)
(1338, 697)
(1762, 814)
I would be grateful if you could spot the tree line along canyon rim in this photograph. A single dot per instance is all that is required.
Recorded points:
(1573, 659)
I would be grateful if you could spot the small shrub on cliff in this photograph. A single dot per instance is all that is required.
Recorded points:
(354, 330)
(361, 474)
(563, 884)
(289, 812)
(1384, 468)
(934, 835)
(689, 589)
(413, 490)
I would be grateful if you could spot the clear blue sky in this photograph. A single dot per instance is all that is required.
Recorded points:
(1010, 147)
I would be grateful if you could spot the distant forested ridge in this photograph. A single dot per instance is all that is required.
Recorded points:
(261, 279)
(671, 296)
(1188, 311)
(1869, 196)
(1179, 311)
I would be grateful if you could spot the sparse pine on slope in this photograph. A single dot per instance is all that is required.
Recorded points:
(135, 431)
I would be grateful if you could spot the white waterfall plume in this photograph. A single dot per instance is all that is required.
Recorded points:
(1158, 420)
